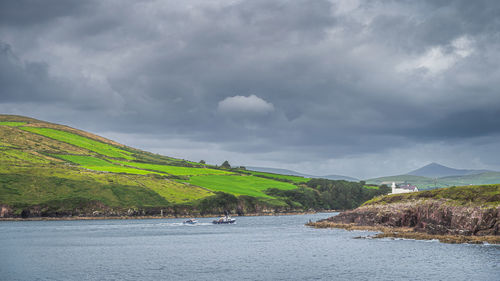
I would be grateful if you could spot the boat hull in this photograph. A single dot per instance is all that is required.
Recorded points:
(224, 222)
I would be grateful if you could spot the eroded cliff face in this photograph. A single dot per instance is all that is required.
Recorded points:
(429, 215)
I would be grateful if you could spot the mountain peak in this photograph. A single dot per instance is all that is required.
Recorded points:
(435, 165)
(436, 170)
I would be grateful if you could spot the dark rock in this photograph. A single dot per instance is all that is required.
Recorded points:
(430, 216)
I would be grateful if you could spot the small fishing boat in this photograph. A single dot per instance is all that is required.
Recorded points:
(224, 220)
(190, 221)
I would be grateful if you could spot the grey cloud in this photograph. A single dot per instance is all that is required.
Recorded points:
(25, 81)
(23, 13)
(162, 68)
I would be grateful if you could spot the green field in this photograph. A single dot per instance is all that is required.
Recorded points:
(97, 164)
(24, 186)
(173, 191)
(175, 170)
(83, 142)
(84, 160)
(239, 185)
(290, 178)
(22, 189)
(12, 124)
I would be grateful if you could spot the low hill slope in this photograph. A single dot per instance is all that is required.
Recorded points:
(430, 183)
(48, 169)
(293, 173)
(420, 182)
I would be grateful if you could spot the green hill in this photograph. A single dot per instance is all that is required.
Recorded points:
(48, 169)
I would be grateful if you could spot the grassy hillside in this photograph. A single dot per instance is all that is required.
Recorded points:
(287, 178)
(240, 184)
(48, 169)
(55, 169)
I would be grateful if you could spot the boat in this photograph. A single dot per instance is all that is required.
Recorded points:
(190, 221)
(224, 220)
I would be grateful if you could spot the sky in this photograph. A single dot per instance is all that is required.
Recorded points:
(357, 88)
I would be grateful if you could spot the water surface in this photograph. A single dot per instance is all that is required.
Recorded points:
(255, 248)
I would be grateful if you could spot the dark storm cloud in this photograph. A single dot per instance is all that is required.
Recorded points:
(285, 80)
(31, 12)
(25, 81)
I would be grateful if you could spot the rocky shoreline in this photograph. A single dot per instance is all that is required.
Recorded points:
(408, 233)
(423, 219)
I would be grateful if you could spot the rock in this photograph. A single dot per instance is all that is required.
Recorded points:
(5, 211)
(430, 216)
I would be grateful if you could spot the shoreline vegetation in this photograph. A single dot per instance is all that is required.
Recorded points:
(408, 233)
(180, 216)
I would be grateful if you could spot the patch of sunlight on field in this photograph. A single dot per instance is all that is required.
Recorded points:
(291, 178)
(239, 185)
(83, 142)
(12, 124)
(97, 164)
(175, 170)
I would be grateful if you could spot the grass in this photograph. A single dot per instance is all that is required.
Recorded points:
(12, 124)
(428, 183)
(19, 156)
(420, 182)
(84, 160)
(175, 170)
(290, 178)
(15, 137)
(97, 164)
(34, 173)
(22, 189)
(173, 191)
(118, 169)
(239, 185)
(459, 195)
(370, 186)
(25, 186)
(83, 142)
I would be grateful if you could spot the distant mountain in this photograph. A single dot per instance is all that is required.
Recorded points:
(435, 170)
(430, 183)
(294, 173)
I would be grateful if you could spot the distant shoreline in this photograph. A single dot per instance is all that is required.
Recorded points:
(74, 218)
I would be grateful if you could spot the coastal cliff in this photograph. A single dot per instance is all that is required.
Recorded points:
(468, 211)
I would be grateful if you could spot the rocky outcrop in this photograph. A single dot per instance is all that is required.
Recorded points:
(437, 217)
(5, 211)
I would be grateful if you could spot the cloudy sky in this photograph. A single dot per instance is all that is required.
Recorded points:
(358, 88)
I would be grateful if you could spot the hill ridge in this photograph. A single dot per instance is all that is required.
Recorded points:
(48, 169)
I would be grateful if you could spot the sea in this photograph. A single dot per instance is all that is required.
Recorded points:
(255, 248)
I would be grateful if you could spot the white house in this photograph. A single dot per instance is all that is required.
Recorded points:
(404, 188)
